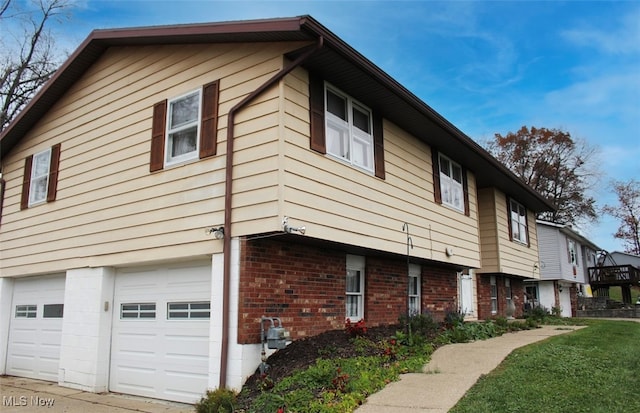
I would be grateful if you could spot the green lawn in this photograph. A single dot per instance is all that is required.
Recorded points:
(595, 369)
(615, 293)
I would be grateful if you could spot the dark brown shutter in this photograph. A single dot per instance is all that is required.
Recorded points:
(465, 191)
(157, 136)
(436, 176)
(2, 185)
(54, 165)
(316, 105)
(509, 223)
(526, 222)
(209, 128)
(378, 145)
(26, 182)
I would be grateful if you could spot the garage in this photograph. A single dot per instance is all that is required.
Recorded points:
(35, 328)
(160, 337)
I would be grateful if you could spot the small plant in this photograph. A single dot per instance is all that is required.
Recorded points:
(339, 382)
(356, 329)
(217, 401)
(453, 317)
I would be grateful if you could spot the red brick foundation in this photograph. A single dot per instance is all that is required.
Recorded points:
(484, 296)
(304, 286)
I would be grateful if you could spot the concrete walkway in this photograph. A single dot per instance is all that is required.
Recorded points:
(452, 371)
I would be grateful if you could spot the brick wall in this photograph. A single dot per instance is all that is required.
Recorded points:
(484, 296)
(439, 291)
(305, 287)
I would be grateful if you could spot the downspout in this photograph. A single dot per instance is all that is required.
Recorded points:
(227, 201)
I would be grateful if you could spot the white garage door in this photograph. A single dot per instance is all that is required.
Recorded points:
(35, 329)
(160, 338)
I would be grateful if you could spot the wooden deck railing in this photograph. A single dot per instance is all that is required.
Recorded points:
(614, 275)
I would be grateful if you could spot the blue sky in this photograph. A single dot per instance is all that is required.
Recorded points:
(487, 66)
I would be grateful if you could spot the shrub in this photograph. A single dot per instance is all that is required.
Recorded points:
(356, 329)
(217, 401)
(453, 317)
(423, 324)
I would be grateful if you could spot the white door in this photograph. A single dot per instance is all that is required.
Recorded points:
(565, 300)
(35, 328)
(160, 337)
(466, 294)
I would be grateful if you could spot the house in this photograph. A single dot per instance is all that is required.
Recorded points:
(170, 186)
(565, 257)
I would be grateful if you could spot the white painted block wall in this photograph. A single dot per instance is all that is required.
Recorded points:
(86, 329)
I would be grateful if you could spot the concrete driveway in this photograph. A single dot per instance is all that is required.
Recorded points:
(21, 395)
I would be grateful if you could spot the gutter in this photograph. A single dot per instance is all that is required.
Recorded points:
(227, 199)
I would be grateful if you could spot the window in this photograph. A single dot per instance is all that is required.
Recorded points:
(518, 222)
(40, 180)
(572, 252)
(26, 311)
(345, 128)
(182, 128)
(138, 310)
(507, 290)
(53, 311)
(530, 296)
(451, 183)
(185, 127)
(200, 310)
(494, 295)
(355, 288)
(414, 289)
(39, 177)
(349, 129)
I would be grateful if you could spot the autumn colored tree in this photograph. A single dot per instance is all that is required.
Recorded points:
(557, 166)
(28, 56)
(628, 213)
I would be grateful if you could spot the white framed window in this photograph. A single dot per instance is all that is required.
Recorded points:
(26, 311)
(572, 252)
(138, 310)
(355, 288)
(494, 295)
(40, 177)
(349, 129)
(414, 289)
(194, 310)
(507, 289)
(451, 187)
(518, 217)
(183, 128)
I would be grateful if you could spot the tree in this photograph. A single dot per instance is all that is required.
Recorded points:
(27, 62)
(556, 166)
(628, 213)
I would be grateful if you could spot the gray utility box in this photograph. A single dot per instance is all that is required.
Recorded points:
(276, 334)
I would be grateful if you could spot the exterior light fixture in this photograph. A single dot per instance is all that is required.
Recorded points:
(217, 232)
(289, 229)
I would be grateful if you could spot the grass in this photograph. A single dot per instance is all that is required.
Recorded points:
(615, 293)
(596, 369)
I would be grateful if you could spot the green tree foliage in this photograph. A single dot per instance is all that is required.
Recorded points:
(557, 166)
(627, 211)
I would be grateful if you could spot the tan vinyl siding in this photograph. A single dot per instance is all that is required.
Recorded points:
(499, 253)
(110, 210)
(339, 202)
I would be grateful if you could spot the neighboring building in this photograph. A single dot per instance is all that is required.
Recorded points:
(565, 257)
(622, 258)
(156, 188)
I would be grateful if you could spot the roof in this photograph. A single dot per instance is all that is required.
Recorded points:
(337, 62)
(570, 232)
